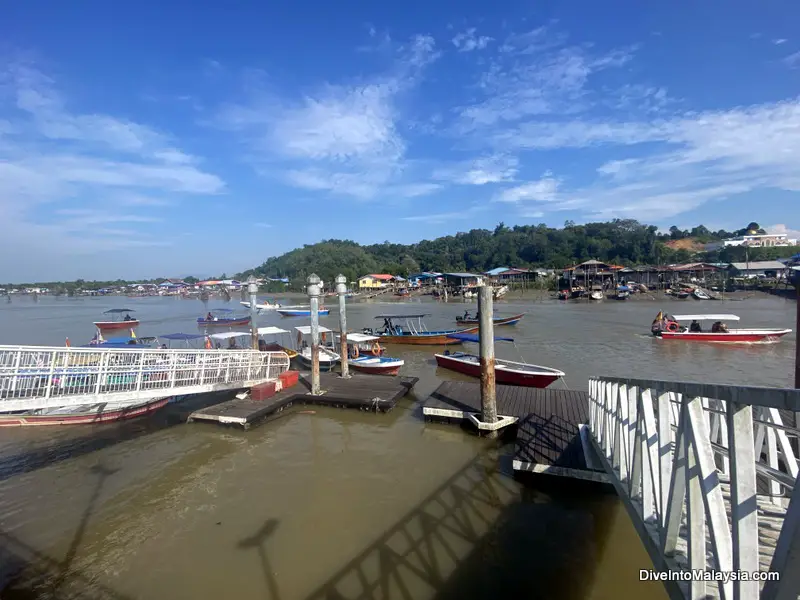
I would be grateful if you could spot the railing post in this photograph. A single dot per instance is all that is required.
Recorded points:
(100, 374)
(203, 360)
(17, 360)
(227, 359)
(665, 452)
(744, 507)
(53, 360)
(173, 368)
(140, 374)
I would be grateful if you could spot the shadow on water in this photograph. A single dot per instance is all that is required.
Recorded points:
(48, 577)
(475, 536)
(101, 436)
(258, 542)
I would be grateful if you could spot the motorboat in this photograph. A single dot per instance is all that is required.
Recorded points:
(274, 346)
(413, 332)
(327, 356)
(506, 372)
(262, 305)
(98, 412)
(700, 294)
(117, 322)
(368, 345)
(671, 327)
(223, 317)
(474, 320)
(596, 295)
(300, 311)
(370, 363)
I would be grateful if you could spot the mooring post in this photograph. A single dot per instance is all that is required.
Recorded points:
(341, 289)
(313, 293)
(486, 335)
(252, 287)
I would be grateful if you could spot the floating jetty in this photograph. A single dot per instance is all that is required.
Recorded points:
(549, 425)
(374, 393)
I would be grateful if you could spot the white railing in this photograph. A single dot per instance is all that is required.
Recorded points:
(706, 472)
(40, 377)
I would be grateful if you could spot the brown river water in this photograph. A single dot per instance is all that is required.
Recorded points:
(328, 502)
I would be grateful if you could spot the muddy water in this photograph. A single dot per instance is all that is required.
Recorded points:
(371, 506)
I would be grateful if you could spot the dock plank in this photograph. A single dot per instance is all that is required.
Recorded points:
(548, 423)
(366, 392)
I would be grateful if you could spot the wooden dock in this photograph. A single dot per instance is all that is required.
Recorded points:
(366, 392)
(549, 423)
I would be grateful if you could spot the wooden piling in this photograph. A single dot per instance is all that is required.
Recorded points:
(486, 335)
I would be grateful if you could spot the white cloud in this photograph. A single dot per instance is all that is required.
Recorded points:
(779, 41)
(793, 60)
(343, 139)
(446, 217)
(468, 41)
(77, 161)
(480, 171)
(792, 234)
(536, 74)
(544, 189)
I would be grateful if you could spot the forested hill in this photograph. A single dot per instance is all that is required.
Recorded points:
(625, 242)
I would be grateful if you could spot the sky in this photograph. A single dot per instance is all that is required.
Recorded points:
(165, 139)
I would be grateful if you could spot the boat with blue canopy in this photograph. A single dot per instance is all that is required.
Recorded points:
(413, 331)
(186, 338)
(117, 322)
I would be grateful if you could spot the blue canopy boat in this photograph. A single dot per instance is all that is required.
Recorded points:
(181, 337)
(222, 317)
(415, 332)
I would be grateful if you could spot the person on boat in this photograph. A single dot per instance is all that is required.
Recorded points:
(209, 317)
(466, 316)
(695, 327)
(387, 325)
(127, 318)
(719, 327)
(262, 345)
(232, 344)
(164, 347)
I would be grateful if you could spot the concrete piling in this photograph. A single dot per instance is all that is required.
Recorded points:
(486, 335)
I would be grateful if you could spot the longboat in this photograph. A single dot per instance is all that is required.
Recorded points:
(117, 322)
(414, 332)
(670, 327)
(496, 320)
(222, 317)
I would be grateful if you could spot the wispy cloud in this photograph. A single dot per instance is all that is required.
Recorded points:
(79, 161)
(779, 41)
(536, 74)
(342, 139)
(262, 225)
(445, 217)
(480, 171)
(793, 60)
(468, 40)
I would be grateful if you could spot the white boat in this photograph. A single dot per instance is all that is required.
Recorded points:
(501, 291)
(327, 356)
(262, 306)
(700, 294)
(372, 360)
(596, 295)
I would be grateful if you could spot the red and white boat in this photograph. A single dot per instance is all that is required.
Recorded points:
(101, 412)
(368, 345)
(506, 372)
(117, 322)
(672, 327)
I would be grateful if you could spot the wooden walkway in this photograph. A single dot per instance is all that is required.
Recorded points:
(548, 422)
(366, 392)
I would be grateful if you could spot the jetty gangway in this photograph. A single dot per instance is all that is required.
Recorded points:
(33, 377)
(707, 473)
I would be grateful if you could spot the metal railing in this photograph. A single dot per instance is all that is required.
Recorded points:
(706, 472)
(34, 377)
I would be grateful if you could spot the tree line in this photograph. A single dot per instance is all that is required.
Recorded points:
(621, 241)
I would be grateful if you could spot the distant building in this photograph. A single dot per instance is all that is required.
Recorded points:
(375, 281)
(424, 279)
(760, 268)
(462, 279)
(507, 275)
(763, 240)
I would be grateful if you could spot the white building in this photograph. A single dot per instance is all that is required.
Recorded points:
(762, 240)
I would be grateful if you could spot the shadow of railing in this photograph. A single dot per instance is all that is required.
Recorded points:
(463, 542)
(43, 576)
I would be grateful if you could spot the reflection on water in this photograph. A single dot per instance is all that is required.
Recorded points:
(335, 503)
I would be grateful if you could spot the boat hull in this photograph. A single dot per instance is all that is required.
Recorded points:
(116, 325)
(497, 321)
(439, 338)
(301, 313)
(324, 365)
(83, 418)
(388, 368)
(502, 376)
(223, 322)
(741, 336)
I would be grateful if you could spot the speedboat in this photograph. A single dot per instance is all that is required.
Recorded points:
(117, 323)
(506, 372)
(262, 306)
(300, 311)
(471, 320)
(670, 327)
(372, 361)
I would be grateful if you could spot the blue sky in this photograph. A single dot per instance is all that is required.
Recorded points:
(173, 138)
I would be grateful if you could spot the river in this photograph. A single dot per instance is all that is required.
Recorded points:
(375, 506)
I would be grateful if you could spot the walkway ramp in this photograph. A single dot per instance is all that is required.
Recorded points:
(33, 377)
(707, 473)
